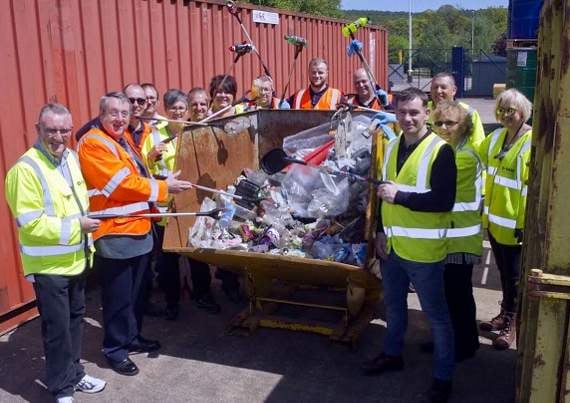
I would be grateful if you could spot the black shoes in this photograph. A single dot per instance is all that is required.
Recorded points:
(207, 303)
(142, 345)
(382, 363)
(125, 367)
(439, 391)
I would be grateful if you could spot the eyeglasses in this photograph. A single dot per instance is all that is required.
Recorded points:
(505, 111)
(140, 101)
(52, 131)
(116, 113)
(447, 123)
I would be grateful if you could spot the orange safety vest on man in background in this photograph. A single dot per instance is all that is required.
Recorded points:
(327, 101)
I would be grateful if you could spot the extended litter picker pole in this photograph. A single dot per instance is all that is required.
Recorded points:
(299, 43)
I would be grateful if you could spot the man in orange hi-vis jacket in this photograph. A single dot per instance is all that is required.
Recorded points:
(119, 184)
(318, 95)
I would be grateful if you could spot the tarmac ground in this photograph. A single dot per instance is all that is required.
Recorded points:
(200, 362)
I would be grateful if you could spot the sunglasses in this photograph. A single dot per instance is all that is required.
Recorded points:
(140, 101)
(447, 123)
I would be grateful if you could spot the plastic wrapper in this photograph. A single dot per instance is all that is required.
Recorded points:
(325, 203)
(307, 139)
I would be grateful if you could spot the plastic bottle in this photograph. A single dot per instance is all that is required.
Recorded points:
(227, 216)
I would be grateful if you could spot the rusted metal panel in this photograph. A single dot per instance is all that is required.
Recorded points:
(544, 352)
(74, 51)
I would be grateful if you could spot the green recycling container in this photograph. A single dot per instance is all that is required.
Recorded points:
(521, 70)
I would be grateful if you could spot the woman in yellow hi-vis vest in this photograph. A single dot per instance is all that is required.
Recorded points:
(506, 155)
(465, 238)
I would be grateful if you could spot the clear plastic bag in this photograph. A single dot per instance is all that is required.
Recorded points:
(307, 139)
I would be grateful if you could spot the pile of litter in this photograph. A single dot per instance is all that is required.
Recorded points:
(316, 210)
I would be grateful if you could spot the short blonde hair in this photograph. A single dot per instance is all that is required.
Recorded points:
(517, 99)
(259, 81)
(465, 123)
(316, 61)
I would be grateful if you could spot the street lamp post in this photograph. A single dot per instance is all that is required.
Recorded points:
(410, 41)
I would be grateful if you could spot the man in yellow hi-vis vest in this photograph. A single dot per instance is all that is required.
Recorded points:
(419, 192)
(48, 197)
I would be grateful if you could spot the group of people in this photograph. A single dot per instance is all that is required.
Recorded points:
(444, 181)
(78, 209)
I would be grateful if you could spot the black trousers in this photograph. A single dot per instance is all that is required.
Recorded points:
(61, 303)
(461, 304)
(123, 302)
(168, 269)
(508, 259)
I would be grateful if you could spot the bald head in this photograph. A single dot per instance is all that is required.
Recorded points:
(362, 85)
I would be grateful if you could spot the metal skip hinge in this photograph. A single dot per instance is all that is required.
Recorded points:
(544, 285)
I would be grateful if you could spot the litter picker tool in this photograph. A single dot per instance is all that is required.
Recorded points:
(240, 49)
(299, 42)
(234, 10)
(276, 160)
(215, 214)
(355, 47)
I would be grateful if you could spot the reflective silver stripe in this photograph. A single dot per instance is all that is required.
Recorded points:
(523, 149)
(115, 181)
(65, 231)
(524, 191)
(465, 231)
(476, 204)
(494, 137)
(486, 210)
(408, 188)
(153, 191)
(126, 209)
(502, 221)
(422, 174)
(94, 192)
(163, 209)
(110, 145)
(49, 206)
(298, 98)
(507, 182)
(334, 98)
(492, 170)
(472, 206)
(28, 217)
(416, 233)
(387, 154)
(50, 250)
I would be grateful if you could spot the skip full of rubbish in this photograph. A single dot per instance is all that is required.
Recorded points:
(305, 210)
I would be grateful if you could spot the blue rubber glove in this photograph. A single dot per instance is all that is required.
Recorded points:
(383, 96)
(384, 119)
(354, 47)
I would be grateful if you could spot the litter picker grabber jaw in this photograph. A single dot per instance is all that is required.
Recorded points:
(355, 46)
(299, 43)
(234, 10)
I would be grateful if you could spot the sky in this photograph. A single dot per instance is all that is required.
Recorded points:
(419, 5)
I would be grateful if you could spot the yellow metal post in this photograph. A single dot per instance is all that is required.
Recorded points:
(544, 323)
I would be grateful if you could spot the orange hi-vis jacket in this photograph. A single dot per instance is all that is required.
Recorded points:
(328, 101)
(373, 105)
(115, 186)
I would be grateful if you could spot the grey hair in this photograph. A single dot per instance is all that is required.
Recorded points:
(516, 98)
(174, 95)
(104, 101)
(52, 107)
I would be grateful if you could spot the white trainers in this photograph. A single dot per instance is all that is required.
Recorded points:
(90, 384)
(65, 399)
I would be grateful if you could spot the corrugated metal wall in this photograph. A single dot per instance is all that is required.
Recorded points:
(74, 51)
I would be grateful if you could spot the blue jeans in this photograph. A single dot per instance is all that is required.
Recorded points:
(427, 279)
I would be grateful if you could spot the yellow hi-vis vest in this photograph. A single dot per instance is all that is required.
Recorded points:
(47, 214)
(465, 234)
(505, 185)
(414, 235)
(164, 166)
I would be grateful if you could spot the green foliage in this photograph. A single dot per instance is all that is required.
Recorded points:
(435, 32)
(329, 8)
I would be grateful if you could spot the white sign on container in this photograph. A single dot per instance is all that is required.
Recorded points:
(265, 17)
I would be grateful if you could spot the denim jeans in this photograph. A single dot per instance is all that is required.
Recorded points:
(427, 278)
